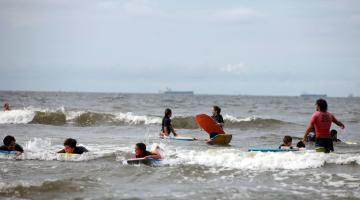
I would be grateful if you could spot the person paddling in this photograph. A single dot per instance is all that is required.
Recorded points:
(141, 152)
(11, 145)
(321, 120)
(70, 147)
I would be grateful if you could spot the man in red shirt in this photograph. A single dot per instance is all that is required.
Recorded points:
(321, 120)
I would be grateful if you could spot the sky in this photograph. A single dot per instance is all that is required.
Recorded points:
(211, 47)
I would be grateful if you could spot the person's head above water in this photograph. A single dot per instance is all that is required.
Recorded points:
(69, 145)
(287, 140)
(140, 148)
(168, 112)
(321, 105)
(333, 133)
(216, 110)
(6, 107)
(10, 142)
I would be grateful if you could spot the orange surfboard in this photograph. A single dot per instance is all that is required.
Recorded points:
(208, 124)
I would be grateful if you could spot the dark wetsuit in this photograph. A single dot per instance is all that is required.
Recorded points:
(17, 148)
(77, 150)
(218, 119)
(146, 153)
(166, 125)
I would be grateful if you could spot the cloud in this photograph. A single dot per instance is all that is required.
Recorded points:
(236, 15)
(356, 18)
(233, 68)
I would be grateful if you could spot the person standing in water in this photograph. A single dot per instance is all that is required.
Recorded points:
(321, 120)
(166, 126)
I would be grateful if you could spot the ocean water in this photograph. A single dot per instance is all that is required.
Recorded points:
(110, 124)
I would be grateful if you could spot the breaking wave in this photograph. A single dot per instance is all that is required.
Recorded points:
(86, 118)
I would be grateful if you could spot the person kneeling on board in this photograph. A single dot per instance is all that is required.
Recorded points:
(218, 118)
(70, 147)
(287, 143)
(10, 145)
(141, 152)
(166, 126)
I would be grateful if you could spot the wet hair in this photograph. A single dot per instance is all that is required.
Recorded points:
(217, 109)
(287, 139)
(70, 142)
(8, 139)
(300, 144)
(322, 105)
(6, 106)
(333, 132)
(167, 112)
(141, 146)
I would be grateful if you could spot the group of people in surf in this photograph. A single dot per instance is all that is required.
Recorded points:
(320, 124)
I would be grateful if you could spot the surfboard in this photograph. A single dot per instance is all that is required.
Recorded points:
(208, 124)
(350, 142)
(148, 161)
(68, 154)
(221, 139)
(7, 152)
(184, 138)
(271, 149)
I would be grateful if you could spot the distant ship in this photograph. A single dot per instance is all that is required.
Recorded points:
(314, 95)
(171, 92)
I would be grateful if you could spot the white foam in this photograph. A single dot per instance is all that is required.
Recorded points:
(235, 119)
(137, 119)
(71, 115)
(44, 149)
(259, 161)
(16, 116)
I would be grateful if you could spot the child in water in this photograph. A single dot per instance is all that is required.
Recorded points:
(11, 145)
(141, 152)
(287, 143)
(70, 147)
(166, 126)
(6, 107)
(333, 134)
(218, 118)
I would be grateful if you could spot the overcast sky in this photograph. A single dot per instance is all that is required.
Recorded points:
(214, 47)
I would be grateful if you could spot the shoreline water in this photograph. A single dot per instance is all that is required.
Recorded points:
(193, 169)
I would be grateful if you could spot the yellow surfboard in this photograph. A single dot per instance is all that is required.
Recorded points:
(221, 139)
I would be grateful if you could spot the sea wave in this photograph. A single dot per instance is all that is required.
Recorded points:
(260, 161)
(87, 118)
(21, 187)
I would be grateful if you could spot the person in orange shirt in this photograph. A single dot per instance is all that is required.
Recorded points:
(321, 120)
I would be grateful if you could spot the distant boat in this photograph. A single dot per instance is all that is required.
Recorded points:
(171, 92)
(314, 95)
